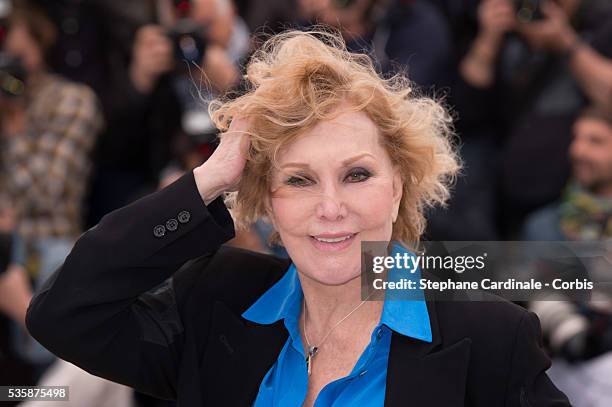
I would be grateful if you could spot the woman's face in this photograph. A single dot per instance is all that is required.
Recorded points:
(335, 187)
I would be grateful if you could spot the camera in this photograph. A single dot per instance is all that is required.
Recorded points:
(189, 41)
(528, 10)
(12, 76)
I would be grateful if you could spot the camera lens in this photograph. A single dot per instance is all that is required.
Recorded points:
(188, 47)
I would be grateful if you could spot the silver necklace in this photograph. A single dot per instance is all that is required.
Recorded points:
(313, 349)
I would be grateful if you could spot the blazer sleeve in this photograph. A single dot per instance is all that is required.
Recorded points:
(112, 308)
(529, 385)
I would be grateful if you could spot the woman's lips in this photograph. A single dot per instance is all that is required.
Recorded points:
(333, 246)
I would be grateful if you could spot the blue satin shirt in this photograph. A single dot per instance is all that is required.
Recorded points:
(286, 383)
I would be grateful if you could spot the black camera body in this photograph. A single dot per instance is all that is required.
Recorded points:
(189, 41)
(528, 10)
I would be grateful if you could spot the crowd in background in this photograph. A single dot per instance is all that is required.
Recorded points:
(102, 102)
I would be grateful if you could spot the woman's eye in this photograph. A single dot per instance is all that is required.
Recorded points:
(297, 181)
(358, 175)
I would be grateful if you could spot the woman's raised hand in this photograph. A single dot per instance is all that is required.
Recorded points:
(223, 170)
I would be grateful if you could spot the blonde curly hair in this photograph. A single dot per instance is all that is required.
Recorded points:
(297, 79)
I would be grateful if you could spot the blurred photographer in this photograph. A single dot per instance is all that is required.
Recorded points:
(584, 213)
(525, 69)
(156, 51)
(48, 126)
(581, 332)
(556, 65)
(178, 40)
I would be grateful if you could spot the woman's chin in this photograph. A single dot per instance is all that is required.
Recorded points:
(334, 275)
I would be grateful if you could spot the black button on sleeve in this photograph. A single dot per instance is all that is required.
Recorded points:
(172, 225)
(184, 216)
(159, 231)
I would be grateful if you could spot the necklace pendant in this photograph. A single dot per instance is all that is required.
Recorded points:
(312, 351)
(309, 364)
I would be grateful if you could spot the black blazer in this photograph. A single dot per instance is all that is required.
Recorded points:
(158, 308)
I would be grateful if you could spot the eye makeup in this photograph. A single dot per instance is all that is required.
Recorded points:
(360, 174)
(297, 180)
(355, 175)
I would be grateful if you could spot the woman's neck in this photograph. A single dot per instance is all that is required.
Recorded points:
(326, 305)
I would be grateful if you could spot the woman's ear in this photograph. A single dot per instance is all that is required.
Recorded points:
(398, 190)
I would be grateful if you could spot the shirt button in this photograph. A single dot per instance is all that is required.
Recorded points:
(379, 333)
(172, 225)
(184, 216)
(362, 373)
(159, 231)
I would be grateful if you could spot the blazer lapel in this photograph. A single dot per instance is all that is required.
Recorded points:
(238, 357)
(263, 346)
(423, 373)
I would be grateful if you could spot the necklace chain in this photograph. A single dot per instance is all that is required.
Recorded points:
(312, 349)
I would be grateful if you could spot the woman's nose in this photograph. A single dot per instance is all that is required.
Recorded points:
(331, 205)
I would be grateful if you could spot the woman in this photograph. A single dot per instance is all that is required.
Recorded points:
(331, 155)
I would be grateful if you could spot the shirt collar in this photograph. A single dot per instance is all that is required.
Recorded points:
(283, 300)
(406, 312)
